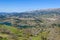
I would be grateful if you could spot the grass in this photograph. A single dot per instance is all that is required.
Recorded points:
(23, 34)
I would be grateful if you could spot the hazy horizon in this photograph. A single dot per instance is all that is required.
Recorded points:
(27, 5)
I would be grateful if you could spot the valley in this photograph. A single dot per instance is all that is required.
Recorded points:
(32, 25)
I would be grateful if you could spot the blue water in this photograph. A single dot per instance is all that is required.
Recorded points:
(18, 26)
(6, 23)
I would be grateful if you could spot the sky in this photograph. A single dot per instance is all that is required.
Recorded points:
(27, 5)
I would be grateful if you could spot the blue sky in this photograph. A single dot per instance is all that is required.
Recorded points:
(27, 5)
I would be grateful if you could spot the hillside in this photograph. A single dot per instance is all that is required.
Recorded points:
(32, 25)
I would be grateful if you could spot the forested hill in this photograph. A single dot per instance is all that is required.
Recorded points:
(33, 12)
